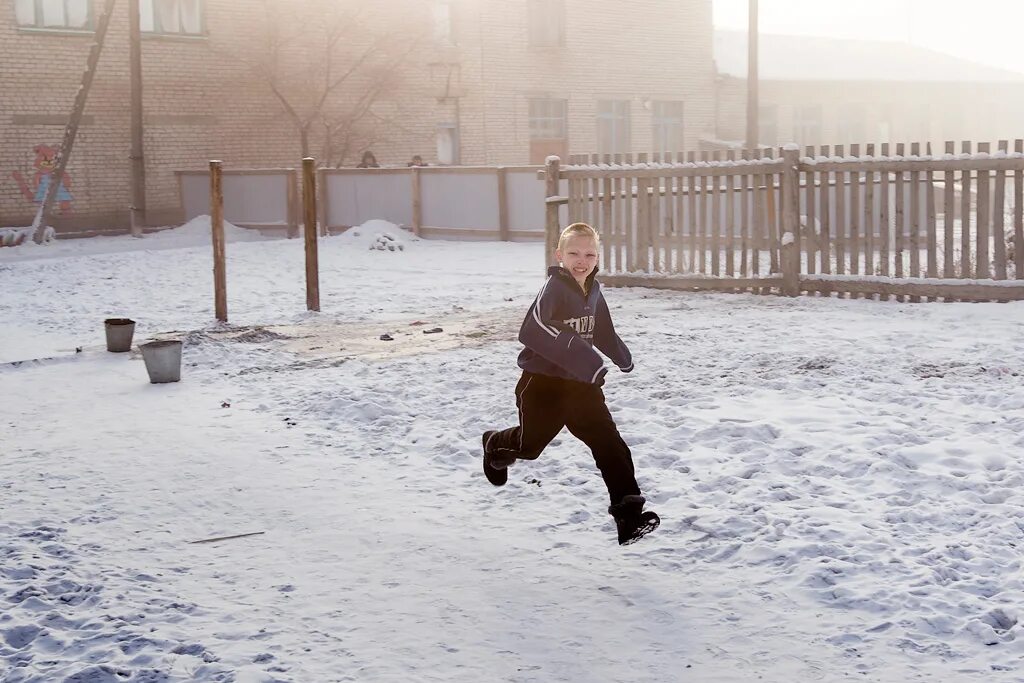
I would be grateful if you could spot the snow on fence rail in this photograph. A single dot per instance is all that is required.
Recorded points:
(897, 224)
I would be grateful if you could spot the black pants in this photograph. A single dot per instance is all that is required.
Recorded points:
(546, 404)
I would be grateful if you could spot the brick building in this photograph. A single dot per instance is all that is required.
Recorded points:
(816, 91)
(456, 81)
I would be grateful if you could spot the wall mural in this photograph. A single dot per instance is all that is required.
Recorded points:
(44, 164)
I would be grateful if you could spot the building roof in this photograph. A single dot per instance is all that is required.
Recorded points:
(815, 58)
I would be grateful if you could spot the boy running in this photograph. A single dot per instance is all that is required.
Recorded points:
(562, 379)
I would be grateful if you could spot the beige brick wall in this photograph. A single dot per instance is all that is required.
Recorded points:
(202, 101)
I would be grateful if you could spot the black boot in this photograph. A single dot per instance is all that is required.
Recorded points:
(495, 469)
(631, 522)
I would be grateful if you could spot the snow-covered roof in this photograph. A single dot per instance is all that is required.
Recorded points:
(815, 58)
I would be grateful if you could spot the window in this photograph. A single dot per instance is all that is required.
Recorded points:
(768, 125)
(548, 129)
(851, 124)
(59, 14)
(447, 144)
(546, 23)
(667, 126)
(613, 126)
(171, 17)
(807, 124)
(444, 33)
(547, 119)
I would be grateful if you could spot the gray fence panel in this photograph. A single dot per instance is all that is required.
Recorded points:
(249, 200)
(354, 198)
(461, 200)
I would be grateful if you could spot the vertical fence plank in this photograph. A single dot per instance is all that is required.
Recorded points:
(1018, 214)
(966, 198)
(855, 219)
(932, 239)
(810, 223)
(716, 221)
(948, 209)
(884, 235)
(998, 220)
(772, 218)
(641, 250)
(607, 216)
(691, 211)
(680, 241)
(705, 216)
(757, 223)
(619, 217)
(594, 192)
(730, 220)
(825, 210)
(840, 225)
(915, 219)
(745, 211)
(870, 224)
(982, 269)
(898, 224)
(629, 236)
(790, 226)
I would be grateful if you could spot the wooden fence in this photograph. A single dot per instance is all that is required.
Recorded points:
(890, 223)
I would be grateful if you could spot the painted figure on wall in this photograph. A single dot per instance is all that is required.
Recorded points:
(44, 164)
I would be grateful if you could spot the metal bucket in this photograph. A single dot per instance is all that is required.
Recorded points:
(163, 360)
(119, 334)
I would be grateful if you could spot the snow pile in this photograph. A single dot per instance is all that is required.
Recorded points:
(378, 235)
(14, 237)
(199, 231)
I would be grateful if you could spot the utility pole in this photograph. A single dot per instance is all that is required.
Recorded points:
(752, 78)
(71, 130)
(138, 161)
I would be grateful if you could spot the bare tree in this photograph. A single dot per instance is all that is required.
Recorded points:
(331, 63)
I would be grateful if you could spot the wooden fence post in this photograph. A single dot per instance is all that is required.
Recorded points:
(790, 222)
(309, 207)
(503, 204)
(417, 201)
(220, 287)
(552, 227)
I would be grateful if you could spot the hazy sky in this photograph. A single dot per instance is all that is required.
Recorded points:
(985, 31)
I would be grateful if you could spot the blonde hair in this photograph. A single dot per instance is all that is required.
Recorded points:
(577, 230)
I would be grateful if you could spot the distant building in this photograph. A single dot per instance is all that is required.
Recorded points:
(479, 82)
(816, 91)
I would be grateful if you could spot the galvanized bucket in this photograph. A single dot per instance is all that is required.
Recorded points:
(163, 360)
(119, 334)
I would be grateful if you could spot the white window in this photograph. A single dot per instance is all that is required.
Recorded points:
(548, 118)
(174, 17)
(546, 23)
(66, 14)
(447, 144)
(667, 126)
(613, 129)
(444, 33)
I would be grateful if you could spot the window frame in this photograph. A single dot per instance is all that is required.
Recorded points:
(157, 28)
(548, 115)
(38, 20)
(668, 123)
(538, 14)
(618, 116)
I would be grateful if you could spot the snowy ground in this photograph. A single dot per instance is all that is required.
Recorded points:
(840, 482)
